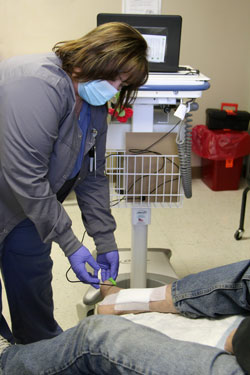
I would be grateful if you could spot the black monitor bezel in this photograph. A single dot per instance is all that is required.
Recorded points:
(172, 22)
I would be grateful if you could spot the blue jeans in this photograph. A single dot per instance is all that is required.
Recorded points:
(27, 272)
(216, 292)
(105, 344)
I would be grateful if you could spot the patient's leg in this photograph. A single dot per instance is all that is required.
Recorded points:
(215, 292)
(160, 300)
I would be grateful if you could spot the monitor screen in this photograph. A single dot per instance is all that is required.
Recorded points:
(161, 32)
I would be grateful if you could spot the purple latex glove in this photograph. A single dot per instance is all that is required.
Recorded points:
(109, 263)
(78, 262)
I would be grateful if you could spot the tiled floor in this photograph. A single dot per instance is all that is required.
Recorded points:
(200, 235)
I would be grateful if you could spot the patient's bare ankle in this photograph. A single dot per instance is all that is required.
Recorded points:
(169, 300)
(166, 305)
(108, 289)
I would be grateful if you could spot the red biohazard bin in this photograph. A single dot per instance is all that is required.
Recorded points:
(221, 174)
(221, 153)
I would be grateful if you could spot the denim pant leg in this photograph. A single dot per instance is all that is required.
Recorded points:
(27, 272)
(215, 292)
(105, 345)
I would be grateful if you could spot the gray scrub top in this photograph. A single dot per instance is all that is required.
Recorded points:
(39, 143)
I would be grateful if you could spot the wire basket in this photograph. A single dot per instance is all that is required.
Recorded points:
(144, 180)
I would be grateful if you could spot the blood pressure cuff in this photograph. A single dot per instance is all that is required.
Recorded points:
(241, 345)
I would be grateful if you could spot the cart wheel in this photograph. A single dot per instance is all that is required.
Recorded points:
(238, 234)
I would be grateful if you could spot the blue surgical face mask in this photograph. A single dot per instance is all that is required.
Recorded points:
(96, 92)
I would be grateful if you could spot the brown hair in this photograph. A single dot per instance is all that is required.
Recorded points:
(104, 53)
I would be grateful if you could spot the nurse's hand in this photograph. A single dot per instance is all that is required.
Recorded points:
(78, 262)
(109, 263)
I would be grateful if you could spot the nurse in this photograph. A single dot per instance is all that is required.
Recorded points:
(52, 141)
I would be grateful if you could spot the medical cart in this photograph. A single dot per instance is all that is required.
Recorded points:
(141, 177)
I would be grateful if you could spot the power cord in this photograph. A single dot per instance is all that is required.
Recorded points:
(142, 151)
(79, 281)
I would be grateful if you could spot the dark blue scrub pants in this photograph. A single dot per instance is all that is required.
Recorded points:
(27, 273)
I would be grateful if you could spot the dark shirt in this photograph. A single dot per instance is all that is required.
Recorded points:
(84, 120)
(241, 345)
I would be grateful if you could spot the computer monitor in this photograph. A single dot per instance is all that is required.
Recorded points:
(162, 33)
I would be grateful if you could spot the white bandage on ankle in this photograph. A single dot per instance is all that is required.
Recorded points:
(135, 299)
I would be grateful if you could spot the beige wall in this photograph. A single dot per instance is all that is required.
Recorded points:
(215, 37)
(29, 26)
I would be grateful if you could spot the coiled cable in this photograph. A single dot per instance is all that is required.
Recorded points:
(184, 144)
